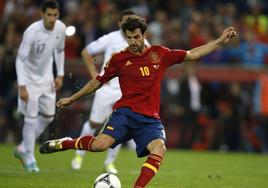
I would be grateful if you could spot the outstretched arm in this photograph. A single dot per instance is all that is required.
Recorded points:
(203, 50)
(90, 87)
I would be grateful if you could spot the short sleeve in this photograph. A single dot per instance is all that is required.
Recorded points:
(172, 57)
(99, 45)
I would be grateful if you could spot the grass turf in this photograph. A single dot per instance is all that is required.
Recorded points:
(180, 169)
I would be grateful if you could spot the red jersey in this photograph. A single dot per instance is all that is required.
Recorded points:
(140, 77)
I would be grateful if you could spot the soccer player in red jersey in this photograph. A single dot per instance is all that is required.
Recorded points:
(136, 114)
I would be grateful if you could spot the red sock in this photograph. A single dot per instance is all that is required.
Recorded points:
(81, 143)
(148, 170)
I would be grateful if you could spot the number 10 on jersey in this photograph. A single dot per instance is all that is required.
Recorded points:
(145, 71)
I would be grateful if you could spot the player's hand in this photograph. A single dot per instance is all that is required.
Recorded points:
(58, 82)
(228, 34)
(64, 102)
(23, 93)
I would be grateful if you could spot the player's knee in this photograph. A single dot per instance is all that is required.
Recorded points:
(164, 149)
(157, 146)
(161, 148)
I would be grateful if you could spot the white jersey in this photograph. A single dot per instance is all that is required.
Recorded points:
(109, 44)
(35, 55)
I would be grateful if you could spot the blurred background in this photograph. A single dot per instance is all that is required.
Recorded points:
(219, 103)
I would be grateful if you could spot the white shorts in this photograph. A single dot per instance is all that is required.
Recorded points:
(103, 102)
(42, 100)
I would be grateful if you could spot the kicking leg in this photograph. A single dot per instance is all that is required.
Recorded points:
(89, 143)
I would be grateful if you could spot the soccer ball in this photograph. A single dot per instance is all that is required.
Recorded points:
(107, 180)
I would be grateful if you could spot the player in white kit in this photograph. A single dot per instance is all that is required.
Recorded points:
(106, 96)
(42, 40)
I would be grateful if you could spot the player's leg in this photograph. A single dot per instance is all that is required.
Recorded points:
(77, 161)
(155, 148)
(45, 109)
(110, 136)
(88, 143)
(25, 151)
(151, 165)
(42, 123)
(28, 136)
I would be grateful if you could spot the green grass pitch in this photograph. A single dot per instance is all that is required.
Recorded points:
(180, 169)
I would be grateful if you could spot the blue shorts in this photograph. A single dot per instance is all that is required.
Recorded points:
(125, 124)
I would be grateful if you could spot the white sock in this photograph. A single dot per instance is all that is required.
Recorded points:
(28, 135)
(43, 122)
(86, 130)
(112, 154)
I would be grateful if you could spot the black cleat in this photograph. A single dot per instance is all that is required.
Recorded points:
(52, 146)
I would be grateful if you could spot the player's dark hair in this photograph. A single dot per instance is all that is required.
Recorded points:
(127, 12)
(134, 22)
(53, 4)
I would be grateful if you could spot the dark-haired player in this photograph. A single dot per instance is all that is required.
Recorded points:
(107, 95)
(136, 114)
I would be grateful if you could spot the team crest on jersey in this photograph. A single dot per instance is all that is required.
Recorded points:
(154, 57)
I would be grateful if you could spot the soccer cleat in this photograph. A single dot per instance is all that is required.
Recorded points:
(77, 162)
(21, 156)
(52, 146)
(32, 167)
(110, 168)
